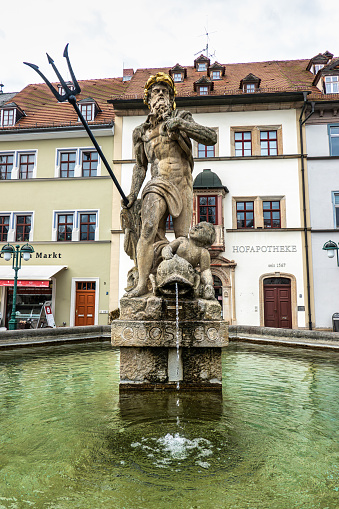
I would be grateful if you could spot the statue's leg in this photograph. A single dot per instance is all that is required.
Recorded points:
(182, 223)
(153, 208)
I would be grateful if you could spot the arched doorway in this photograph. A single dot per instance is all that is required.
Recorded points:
(277, 302)
(217, 284)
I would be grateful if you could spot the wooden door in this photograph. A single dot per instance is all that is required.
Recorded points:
(277, 305)
(85, 303)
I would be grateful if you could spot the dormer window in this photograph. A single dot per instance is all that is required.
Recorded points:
(317, 67)
(10, 114)
(8, 117)
(203, 86)
(178, 73)
(202, 63)
(177, 77)
(216, 71)
(331, 84)
(216, 75)
(61, 89)
(318, 62)
(250, 84)
(89, 109)
(127, 74)
(203, 90)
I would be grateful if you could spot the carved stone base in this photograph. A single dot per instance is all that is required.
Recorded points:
(150, 360)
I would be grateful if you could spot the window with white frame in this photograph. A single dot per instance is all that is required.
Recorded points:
(203, 90)
(8, 117)
(16, 226)
(26, 166)
(177, 77)
(75, 225)
(65, 225)
(4, 227)
(202, 66)
(18, 165)
(335, 197)
(331, 84)
(6, 166)
(333, 132)
(216, 75)
(87, 110)
(77, 162)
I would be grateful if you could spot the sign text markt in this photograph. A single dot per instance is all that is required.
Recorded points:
(264, 249)
(48, 255)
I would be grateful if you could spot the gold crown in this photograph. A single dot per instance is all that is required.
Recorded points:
(160, 77)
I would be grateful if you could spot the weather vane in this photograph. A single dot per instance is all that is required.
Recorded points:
(69, 95)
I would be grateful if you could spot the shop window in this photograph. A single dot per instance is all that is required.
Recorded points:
(87, 226)
(4, 227)
(207, 209)
(6, 166)
(333, 131)
(26, 166)
(23, 228)
(271, 211)
(245, 214)
(28, 305)
(268, 143)
(65, 227)
(243, 143)
(89, 163)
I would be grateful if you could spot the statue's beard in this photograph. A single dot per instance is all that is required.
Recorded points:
(161, 110)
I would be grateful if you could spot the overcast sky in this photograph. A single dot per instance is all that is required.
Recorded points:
(105, 36)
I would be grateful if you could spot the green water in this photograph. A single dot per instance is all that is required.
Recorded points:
(68, 442)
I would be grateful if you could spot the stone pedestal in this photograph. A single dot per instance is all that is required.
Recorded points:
(155, 353)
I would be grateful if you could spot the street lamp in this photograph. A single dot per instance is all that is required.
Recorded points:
(17, 253)
(330, 247)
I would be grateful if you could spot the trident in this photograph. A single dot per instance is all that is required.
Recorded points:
(69, 96)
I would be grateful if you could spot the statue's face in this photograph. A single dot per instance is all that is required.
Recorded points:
(160, 97)
(201, 233)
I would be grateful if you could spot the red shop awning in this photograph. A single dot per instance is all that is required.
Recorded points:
(30, 276)
(31, 284)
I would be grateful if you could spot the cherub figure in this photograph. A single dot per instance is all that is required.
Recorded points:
(195, 250)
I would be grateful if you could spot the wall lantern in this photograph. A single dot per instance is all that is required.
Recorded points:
(331, 247)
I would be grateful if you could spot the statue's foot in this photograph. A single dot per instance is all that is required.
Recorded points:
(138, 291)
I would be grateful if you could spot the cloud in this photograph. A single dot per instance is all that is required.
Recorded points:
(103, 35)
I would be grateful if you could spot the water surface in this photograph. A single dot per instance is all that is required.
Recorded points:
(68, 442)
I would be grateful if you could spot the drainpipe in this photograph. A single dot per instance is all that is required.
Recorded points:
(301, 123)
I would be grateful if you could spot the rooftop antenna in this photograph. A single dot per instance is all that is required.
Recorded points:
(1, 87)
(207, 34)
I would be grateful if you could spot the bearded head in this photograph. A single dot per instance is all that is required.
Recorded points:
(159, 94)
